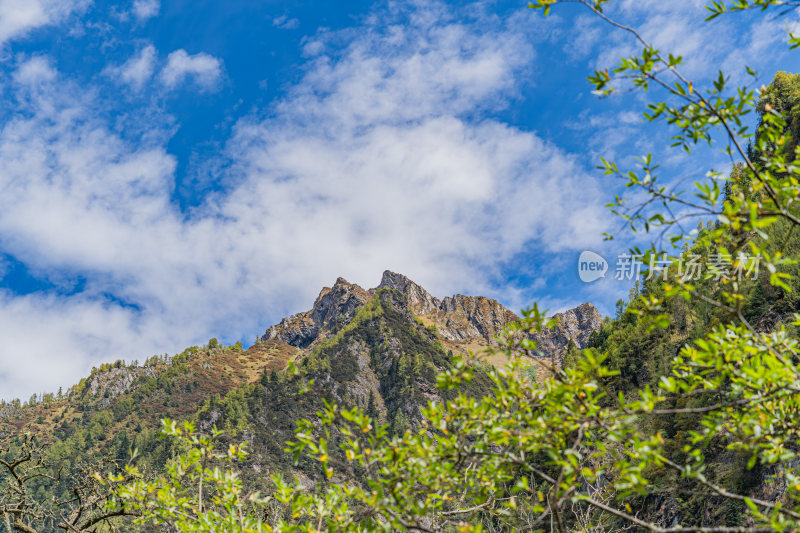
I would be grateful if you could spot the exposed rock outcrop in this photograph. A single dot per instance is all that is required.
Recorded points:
(420, 300)
(575, 325)
(471, 319)
(456, 318)
(114, 382)
(472, 316)
(333, 309)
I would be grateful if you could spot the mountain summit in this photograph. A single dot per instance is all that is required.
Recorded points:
(463, 322)
(334, 308)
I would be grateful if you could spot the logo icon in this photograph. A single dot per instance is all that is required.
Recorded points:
(591, 266)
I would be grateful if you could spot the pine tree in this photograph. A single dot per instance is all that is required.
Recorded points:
(371, 410)
(400, 423)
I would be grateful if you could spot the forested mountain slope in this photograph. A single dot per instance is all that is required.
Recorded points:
(379, 349)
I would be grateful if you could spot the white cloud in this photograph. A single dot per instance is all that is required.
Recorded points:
(375, 159)
(17, 17)
(680, 28)
(35, 71)
(49, 339)
(204, 69)
(138, 69)
(285, 23)
(145, 9)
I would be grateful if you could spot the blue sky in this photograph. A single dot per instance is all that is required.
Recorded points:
(174, 170)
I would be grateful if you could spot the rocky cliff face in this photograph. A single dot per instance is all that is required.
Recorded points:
(465, 317)
(575, 325)
(334, 308)
(458, 317)
(469, 320)
(420, 300)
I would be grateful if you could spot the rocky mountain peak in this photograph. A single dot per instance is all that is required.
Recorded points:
(334, 308)
(420, 300)
(458, 317)
(470, 320)
(576, 325)
(463, 317)
(338, 295)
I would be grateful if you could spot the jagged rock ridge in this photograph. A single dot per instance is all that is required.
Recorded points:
(575, 325)
(456, 318)
(334, 307)
(420, 300)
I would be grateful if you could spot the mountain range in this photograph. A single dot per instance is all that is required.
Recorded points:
(462, 322)
(380, 349)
